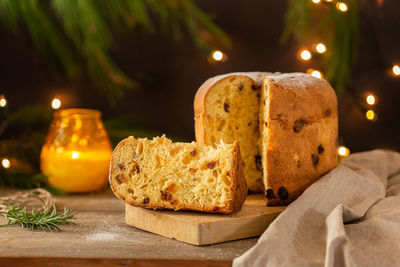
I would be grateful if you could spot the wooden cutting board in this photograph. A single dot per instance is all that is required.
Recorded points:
(202, 228)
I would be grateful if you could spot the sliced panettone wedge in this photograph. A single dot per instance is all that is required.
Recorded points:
(227, 108)
(299, 129)
(160, 174)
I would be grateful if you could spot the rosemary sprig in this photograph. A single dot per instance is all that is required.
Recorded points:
(46, 220)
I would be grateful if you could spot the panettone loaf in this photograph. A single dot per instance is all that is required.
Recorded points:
(227, 108)
(299, 134)
(160, 174)
(296, 133)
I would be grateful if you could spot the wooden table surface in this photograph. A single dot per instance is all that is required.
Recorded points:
(101, 237)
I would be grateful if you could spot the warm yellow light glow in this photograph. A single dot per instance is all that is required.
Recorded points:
(316, 1)
(396, 70)
(341, 6)
(3, 101)
(81, 144)
(328, 0)
(6, 163)
(305, 55)
(315, 73)
(370, 99)
(56, 103)
(343, 151)
(75, 155)
(321, 48)
(370, 114)
(217, 55)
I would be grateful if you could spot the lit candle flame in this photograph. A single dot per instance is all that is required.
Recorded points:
(75, 155)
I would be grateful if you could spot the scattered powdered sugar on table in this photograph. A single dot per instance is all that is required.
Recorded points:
(107, 229)
(101, 236)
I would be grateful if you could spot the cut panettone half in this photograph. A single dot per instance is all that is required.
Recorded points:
(160, 174)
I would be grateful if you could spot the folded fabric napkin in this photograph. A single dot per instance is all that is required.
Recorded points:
(350, 217)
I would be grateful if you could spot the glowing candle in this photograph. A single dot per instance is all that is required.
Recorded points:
(76, 171)
(77, 152)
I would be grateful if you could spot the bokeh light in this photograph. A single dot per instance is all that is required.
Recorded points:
(315, 73)
(370, 114)
(343, 151)
(321, 48)
(341, 6)
(217, 55)
(370, 99)
(6, 163)
(305, 55)
(3, 101)
(396, 70)
(56, 103)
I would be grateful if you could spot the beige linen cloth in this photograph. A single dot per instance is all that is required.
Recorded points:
(350, 217)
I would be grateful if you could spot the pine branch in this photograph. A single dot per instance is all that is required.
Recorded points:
(87, 27)
(306, 21)
(46, 220)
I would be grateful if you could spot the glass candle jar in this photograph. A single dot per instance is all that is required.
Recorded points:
(77, 152)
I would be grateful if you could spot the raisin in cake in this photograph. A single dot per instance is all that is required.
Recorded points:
(227, 108)
(160, 174)
(299, 129)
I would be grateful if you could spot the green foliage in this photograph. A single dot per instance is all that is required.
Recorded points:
(309, 23)
(21, 142)
(85, 34)
(48, 220)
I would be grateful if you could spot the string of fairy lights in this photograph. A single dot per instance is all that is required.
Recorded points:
(370, 98)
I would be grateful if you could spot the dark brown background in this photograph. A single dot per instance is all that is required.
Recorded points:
(170, 72)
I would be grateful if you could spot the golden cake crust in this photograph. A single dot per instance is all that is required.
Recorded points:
(238, 186)
(301, 123)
